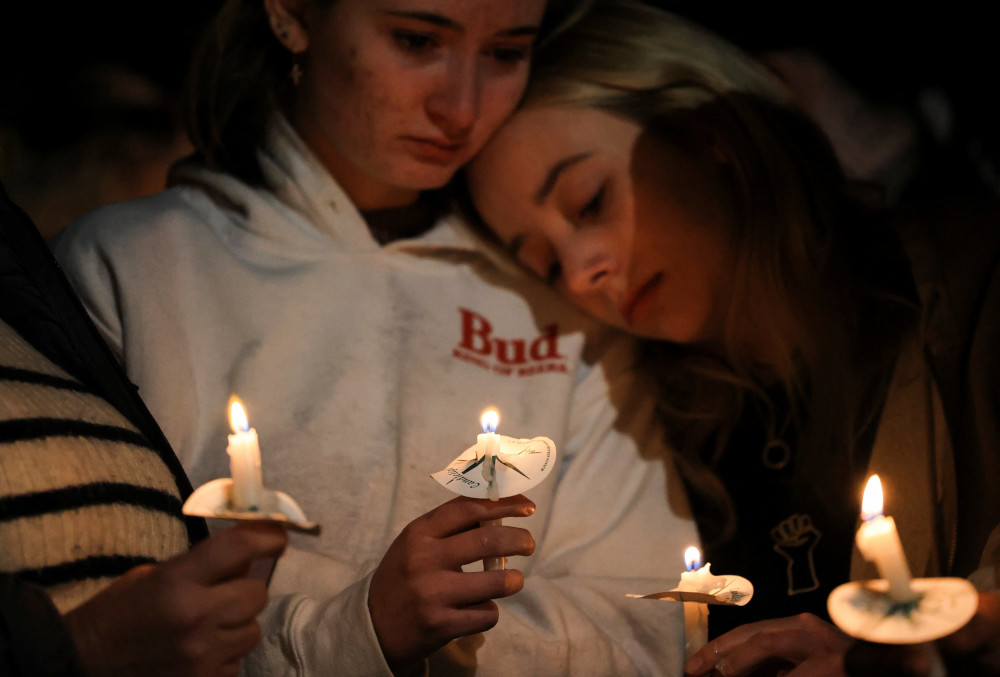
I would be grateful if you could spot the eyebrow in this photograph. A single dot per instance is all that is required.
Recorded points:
(445, 22)
(549, 184)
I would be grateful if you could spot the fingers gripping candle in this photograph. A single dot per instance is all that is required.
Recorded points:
(244, 461)
(878, 542)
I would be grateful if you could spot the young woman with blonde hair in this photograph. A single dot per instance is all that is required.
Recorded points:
(664, 182)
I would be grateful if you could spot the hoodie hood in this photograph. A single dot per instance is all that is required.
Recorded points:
(303, 211)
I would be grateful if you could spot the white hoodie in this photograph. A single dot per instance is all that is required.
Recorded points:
(364, 368)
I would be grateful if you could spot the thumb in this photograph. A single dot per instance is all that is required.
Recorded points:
(229, 554)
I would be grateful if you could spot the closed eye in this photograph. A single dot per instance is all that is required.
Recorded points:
(593, 206)
(511, 55)
(525, 252)
(414, 42)
(553, 273)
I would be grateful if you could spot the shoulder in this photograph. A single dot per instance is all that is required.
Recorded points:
(124, 224)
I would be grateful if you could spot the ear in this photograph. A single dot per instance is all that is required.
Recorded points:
(284, 17)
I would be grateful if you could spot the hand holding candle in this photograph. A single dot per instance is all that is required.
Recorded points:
(421, 577)
(416, 578)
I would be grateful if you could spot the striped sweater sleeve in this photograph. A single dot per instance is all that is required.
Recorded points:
(83, 495)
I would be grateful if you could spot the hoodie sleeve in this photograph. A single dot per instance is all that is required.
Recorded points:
(304, 635)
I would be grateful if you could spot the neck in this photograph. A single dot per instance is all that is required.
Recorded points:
(398, 223)
(367, 197)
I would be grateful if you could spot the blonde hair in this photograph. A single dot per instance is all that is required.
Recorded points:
(794, 226)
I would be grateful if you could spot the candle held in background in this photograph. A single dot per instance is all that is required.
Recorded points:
(244, 461)
(697, 578)
(878, 541)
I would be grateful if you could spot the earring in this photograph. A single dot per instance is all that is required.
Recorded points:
(298, 67)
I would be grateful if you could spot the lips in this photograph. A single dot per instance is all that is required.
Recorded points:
(438, 151)
(638, 304)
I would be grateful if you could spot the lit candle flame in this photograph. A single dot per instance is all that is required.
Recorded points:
(238, 416)
(871, 503)
(490, 420)
(692, 558)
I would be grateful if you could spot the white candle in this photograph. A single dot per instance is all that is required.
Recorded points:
(878, 542)
(697, 578)
(244, 460)
(487, 448)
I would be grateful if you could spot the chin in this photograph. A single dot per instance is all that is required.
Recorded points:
(683, 333)
(426, 176)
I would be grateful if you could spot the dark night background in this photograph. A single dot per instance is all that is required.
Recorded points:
(49, 100)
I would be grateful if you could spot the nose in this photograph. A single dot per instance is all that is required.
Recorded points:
(594, 269)
(453, 106)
